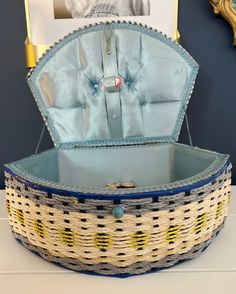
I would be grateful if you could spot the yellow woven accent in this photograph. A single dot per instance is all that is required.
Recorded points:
(172, 234)
(229, 197)
(201, 222)
(67, 237)
(139, 240)
(166, 232)
(8, 207)
(219, 208)
(102, 241)
(39, 228)
(20, 216)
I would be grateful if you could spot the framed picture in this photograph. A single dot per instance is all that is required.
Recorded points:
(100, 8)
(50, 20)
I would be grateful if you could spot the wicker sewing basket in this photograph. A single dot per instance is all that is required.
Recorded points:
(117, 195)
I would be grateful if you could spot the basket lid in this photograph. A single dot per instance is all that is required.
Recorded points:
(114, 84)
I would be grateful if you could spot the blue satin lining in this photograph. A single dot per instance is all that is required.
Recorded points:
(94, 168)
(154, 80)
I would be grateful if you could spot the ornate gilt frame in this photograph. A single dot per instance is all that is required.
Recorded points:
(226, 8)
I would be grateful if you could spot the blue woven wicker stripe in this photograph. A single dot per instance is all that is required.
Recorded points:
(159, 193)
(205, 244)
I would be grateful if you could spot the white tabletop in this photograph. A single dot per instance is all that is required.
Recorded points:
(214, 272)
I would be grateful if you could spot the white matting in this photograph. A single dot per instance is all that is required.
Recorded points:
(214, 272)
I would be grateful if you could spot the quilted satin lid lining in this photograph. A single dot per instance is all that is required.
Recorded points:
(156, 76)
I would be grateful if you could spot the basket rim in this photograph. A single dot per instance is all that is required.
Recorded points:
(210, 174)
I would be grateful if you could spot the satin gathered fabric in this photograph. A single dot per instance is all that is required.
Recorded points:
(153, 77)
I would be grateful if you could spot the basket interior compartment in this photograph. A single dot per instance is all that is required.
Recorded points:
(97, 167)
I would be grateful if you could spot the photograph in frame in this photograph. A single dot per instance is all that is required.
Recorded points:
(100, 8)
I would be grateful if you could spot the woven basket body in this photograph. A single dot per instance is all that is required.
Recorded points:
(158, 229)
(63, 205)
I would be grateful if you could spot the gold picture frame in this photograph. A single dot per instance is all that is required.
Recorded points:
(227, 9)
(35, 51)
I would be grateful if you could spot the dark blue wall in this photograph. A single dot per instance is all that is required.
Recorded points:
(212, 111)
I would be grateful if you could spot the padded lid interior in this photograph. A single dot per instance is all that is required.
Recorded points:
(114, 83)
